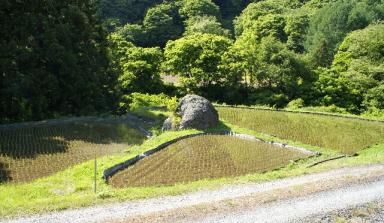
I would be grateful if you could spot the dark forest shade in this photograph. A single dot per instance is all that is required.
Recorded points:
(53, 60)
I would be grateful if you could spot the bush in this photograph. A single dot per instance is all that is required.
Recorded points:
(327, 109)
(374, 99)
(268, 98)
(138, 101)
(295, 104)
(374, 112)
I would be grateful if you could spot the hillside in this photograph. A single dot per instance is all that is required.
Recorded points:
(273, 52)
(322, 54)
(93, 108)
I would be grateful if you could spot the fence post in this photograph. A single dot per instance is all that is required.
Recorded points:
(95, 173)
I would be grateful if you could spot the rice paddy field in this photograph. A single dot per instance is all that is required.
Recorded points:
(48, 166)
(31, 152)
(205, 157)
(346, 135)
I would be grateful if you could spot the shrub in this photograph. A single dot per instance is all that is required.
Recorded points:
(138, 101)
(328, 109)
(297, 103)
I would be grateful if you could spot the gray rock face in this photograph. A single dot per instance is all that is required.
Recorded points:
(195, 112)
(167, 125)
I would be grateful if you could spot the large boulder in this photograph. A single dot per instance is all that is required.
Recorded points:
(195, 112)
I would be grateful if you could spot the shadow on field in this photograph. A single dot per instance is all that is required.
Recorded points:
(28, 142)
(221, 127)
(28, 147)
(4, 173)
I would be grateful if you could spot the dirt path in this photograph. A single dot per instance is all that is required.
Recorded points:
(240, 200)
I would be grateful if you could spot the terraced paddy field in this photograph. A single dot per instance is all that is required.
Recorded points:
(346, 135)
(205, 157)
(31, 152)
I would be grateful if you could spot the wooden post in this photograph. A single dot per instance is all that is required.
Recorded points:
(95, 173)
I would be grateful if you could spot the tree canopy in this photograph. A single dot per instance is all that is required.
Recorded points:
(162, 23)
(83, 57)
(196, 58)
(138, 67)
(125, 11)
(205, 24)
(331, 24)
(192, 8)
(53, 60)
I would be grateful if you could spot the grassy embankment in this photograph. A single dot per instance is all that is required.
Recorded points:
(73, 187)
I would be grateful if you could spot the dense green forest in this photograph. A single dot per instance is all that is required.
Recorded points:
(83, 57)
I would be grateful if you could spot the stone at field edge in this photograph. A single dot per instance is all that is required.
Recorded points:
(167, 125)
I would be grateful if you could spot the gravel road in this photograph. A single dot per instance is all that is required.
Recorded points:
(293, 210)
(297, 207)
(370, 212)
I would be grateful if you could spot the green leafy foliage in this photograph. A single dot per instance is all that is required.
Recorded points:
(360, 59)
(148, 101)
(331, 24)
(133, 33)
(125, 11)
(205, 24)
(162, 23)
(192, 8)
(356, 78)
(138, 67)
(53, 60)
(229, 9)
(269, 67)
(374, 98)
(332, 89)
(254, 12)
(296, 27)
(295, 104)
(196, 58)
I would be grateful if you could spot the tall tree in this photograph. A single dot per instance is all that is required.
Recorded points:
(125, 11)
(196, 58)
(53, 60)
(191, 8)
(360, 59)
(229, 9)
(205, 24)
(267, 66)
(333, 22)
(296, 28)
(253, 12)
(133, 33)
(356, 77)
(138, 67)
(162, 23)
